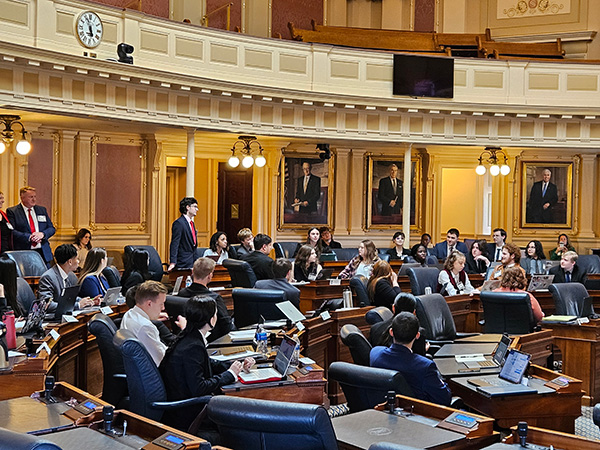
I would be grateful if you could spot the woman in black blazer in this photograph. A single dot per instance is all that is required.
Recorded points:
(383, 285)
(136, 270)
(187, 370)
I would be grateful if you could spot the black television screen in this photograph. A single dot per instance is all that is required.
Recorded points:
(423, 76)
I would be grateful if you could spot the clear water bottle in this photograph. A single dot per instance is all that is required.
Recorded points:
(296, 354)
(188, 281)
(261, 340)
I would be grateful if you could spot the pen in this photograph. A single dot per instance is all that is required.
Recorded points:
(214, 353)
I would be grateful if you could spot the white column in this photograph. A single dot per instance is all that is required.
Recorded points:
(191, 160)
(406, 193)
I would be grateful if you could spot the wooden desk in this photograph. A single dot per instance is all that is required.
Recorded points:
(312, 295)
(220, 276)
(556, 411)
(580, 348)
(557, 439)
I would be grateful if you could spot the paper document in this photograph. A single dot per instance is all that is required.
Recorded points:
(243, 335)
(235, 356)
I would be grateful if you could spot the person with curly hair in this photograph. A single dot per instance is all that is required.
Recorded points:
(514, 280)
(534, 256)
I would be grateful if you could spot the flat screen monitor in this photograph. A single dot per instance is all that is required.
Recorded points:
(423, 76)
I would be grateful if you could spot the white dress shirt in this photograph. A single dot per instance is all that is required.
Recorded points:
(138, 322)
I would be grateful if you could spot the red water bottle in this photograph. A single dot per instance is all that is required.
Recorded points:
(8, 317)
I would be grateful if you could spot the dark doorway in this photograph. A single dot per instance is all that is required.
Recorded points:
(235, 201)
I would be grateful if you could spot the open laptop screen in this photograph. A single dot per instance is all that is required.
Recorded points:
(284, 355)
(515, 366)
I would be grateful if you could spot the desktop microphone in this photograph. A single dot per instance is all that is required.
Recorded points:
(49, 387)
(522, 431)
(108, 413)
(391, 401)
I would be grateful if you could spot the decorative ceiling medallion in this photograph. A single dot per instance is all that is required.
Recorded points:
(531, 8)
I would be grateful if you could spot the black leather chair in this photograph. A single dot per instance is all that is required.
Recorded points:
(596, 414)
(422, 277)
(378, 314)
(156, 267)
(114, 384)
(174, 306)
(507, 312)
(147, 394)
(384, 256)
(365, 387)
(407, 265)
(29, 262)
(25, 295)
(285, 249)
(250, 304)
(345, 254)
(251, 424)
(11, 440)
(569, 299)
(358, 285)
(431, 260)
(112, 275)
(436, 319)
(359, 346)
(240, 272)
(589, 263)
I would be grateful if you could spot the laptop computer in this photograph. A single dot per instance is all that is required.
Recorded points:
(112, 295)
(36, 315)
(508, 381)
(489, 285)
(497, 359)
(177, 285)
(280, 365)
(66, 302)
(325, 274)
(539, 282)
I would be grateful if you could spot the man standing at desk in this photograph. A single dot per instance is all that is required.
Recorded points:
(390, 193)
(184, 241)
(421, 373)
(308, 190)
(32, 225)
(542, 198)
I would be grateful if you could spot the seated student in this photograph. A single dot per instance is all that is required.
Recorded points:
(306, 266)
(418, 252)
(425, 241)
(383, 285)
(187, 370)
(511, 257)
(495, 249)
(380, 331)
(202, 273)
(259, 259)
(92, 281)
(477, 259)
(219, 247)
(246, 239)
(62, 275)
(564, 245)
(443, 249)
(533, 262)
(83, 244)
(362, 264)
(568, 271)
(136, 269)
(165, 334)
(453, 280)
(149, 302)
(313, 240)
(327, 242)
(420, 373)
(398, 251)
(514, 280)
(282, 269)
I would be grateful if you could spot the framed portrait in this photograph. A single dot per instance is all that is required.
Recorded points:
(546, 194)
(306, 191)
(385, 190)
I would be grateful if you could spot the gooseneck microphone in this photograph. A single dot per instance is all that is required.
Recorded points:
(522, 432)
(49, 387)
(108, 413)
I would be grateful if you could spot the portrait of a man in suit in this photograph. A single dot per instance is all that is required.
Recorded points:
(305, 189)
(547, 201)
(308, 190)
(390, 193)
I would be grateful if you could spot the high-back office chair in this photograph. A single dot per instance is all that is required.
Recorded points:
(378, 314)
(251, 424)
(359, 346)
(431, 260)
(407, 265)
(240, 272)
(285, 249)
(358, 285)
(250, 304)
(589, 263)
(12, 440)
(345, 254)
(365, 387)
(596, 414)
(112, 275)
(147, 393)
(435, 317)
(114, 384)
(383, 255)
(422, 277)
(29, 262)
(25, 295)
(569, 299)
(156, 267)
(507, 312)
(174, 307)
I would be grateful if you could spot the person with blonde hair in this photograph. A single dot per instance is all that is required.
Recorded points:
(453, 280)
(383, 285)
(361, 264)
(514, 280)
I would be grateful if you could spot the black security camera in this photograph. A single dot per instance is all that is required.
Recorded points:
(123, 51)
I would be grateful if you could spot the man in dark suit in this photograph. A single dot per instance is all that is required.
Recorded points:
(202, 273)
(282, 270)
(259, 259)
(495, 249)
(420, 373)
(184, 241)
(442, 249)
(308, 190)
(390, 193)
(32, 225)
(568, 271)
(542, 199)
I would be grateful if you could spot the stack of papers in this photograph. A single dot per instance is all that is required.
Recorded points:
(559, 319)
(235, 356)
(242, 335)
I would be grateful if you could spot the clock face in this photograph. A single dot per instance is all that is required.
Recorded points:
(89, 29)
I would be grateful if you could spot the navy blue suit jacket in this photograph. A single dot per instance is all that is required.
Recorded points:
(420, 373)
(441, 249)
(182, 250)
(22, 231)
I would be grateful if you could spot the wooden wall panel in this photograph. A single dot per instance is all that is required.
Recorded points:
(39, 171)
(300, 12)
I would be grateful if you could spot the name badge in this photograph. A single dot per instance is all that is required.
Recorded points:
(107, 310)
(325, 315)
(54, 334)
(41, 218)
(9, 226)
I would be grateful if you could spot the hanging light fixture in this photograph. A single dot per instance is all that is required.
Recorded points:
(7, 136)
(246, 152)
(491, 156)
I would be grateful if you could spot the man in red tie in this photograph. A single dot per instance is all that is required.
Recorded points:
(32, 225)
(183, 236)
